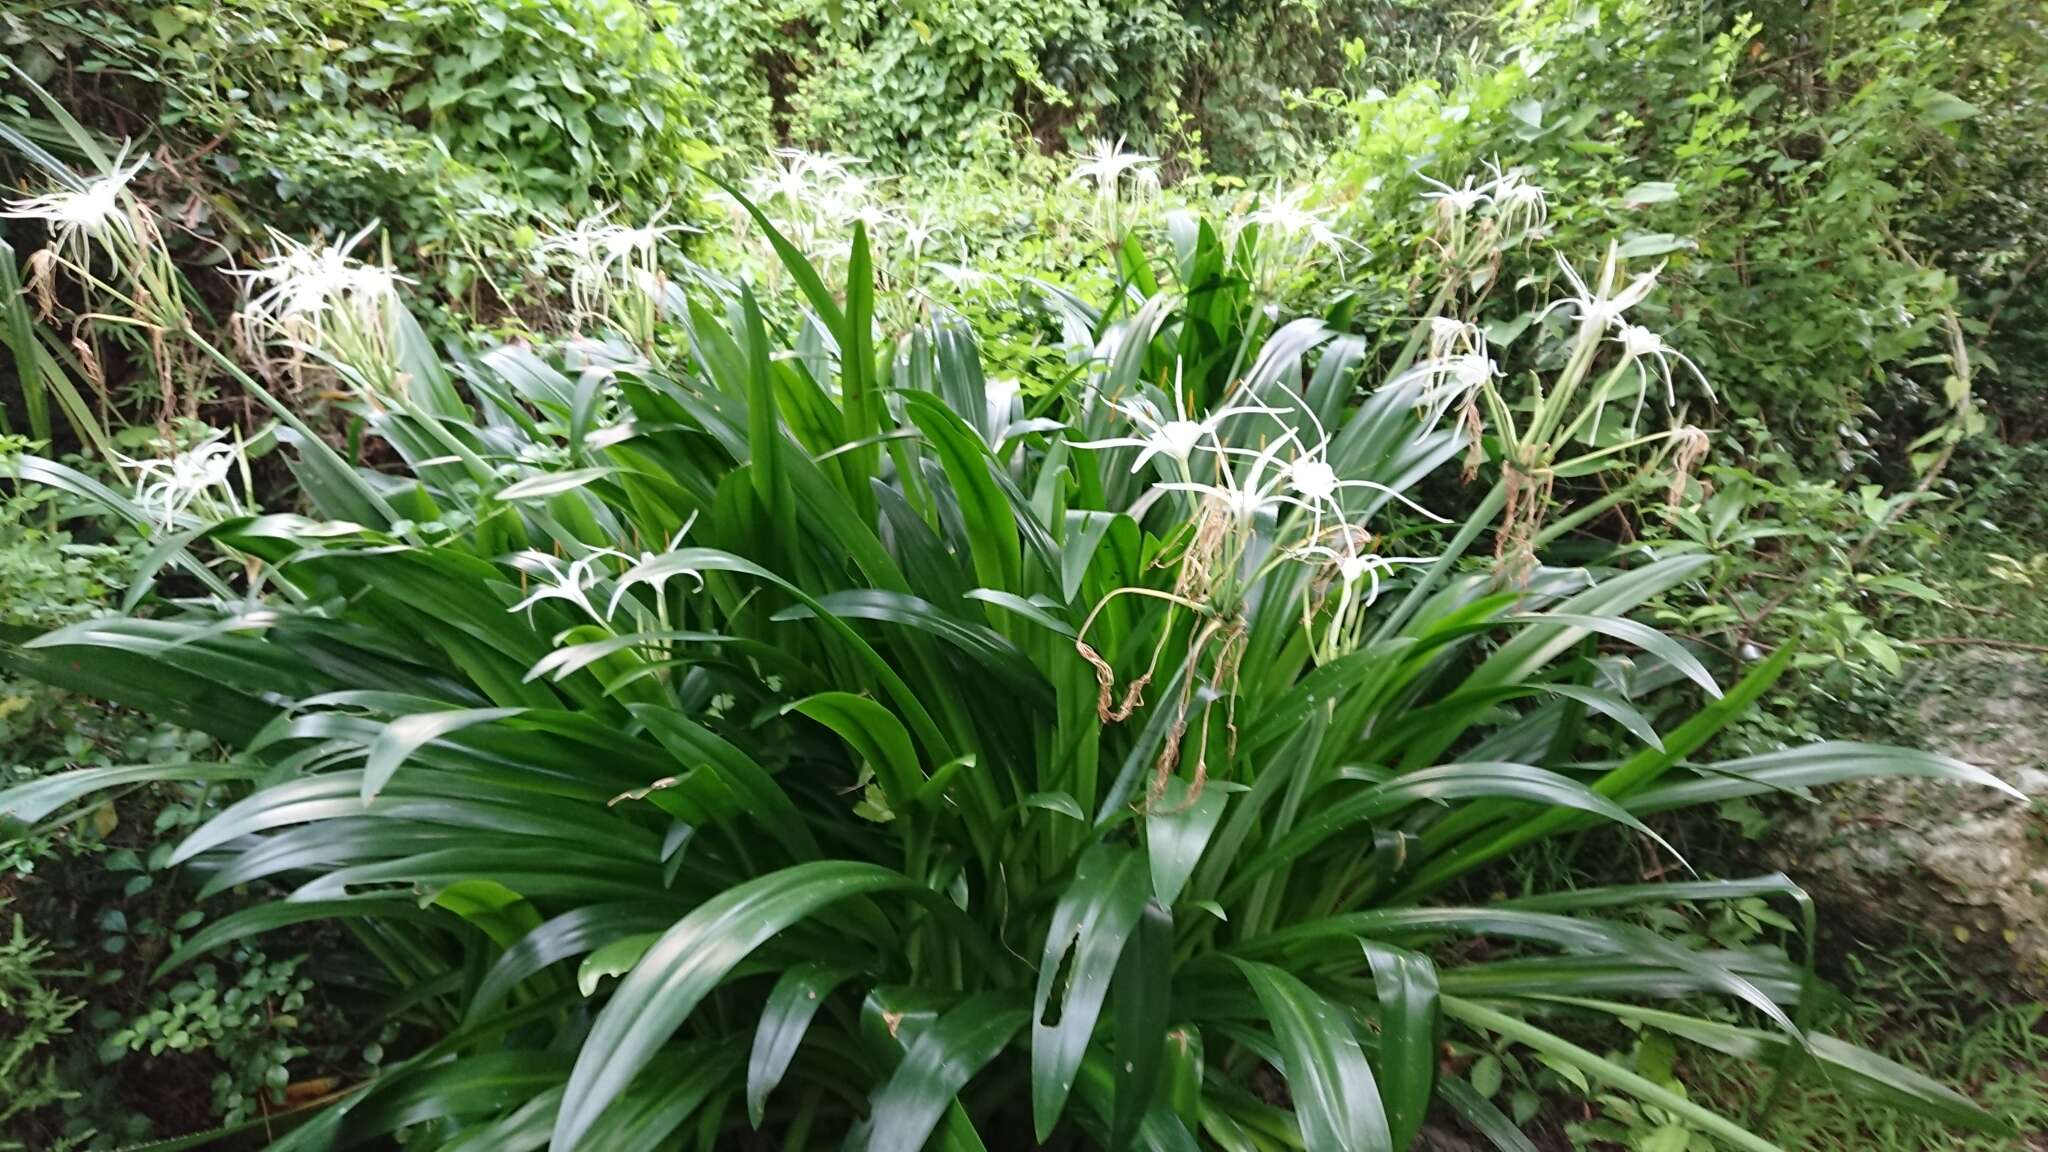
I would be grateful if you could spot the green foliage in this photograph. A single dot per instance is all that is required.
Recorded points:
(86, 1024)
(801, 634)
(617, 702)
(456, 123)
(1783, 180)
(50, 577)
(37, 1015)
(939, 79)
(1902, 1000)
(1268, 87)
(249, 1024)
(926, 85)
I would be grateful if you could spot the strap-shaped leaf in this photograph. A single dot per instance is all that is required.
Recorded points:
(1091, 922)
(795, 999)
(1602, 1069)
(1482, 1117)
(36, 799)
(877, 735)
(1634, 632)
(991, 525)
(938, 1064)
(1144, 1005)
(984, 645)
(569, 935)
(1406, 985)
(1443, 783)
(689, 961)
(407, 734)
(1845, 1065)
(1176, 832)
(264, 917)
(1809, 766)
(1336, 1101)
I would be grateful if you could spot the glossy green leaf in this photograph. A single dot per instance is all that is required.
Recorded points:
(937, 1065)
(1856, 1070)
(407, 734)
(1094, 917)
(1144, 1006)
(1406, 985)
(1177, 831)
(688, 961)
(1335, 1097)
(798, 994)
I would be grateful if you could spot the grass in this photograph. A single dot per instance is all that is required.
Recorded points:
(1906, 1003)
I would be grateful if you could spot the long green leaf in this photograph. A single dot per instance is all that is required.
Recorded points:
(1090, 924)
(1335, 1098)
(689, 961)
(796, 997)
(1407, 988)
(938, 1064)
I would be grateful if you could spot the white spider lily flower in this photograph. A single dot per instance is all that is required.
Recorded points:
(92, 211)
(1601, 307)
(302, 292)
(1179, 437)
(1640, 345)
(1299, 231)
(963, 278)
(1353, 566)
(917, 232)
(1312, 485)
(655, 570)
(1316, 486)
(1454, 204)
(571, 583)
(799, 176)
(604, 257)
(1104, 165)
(621, 243)
(1449, 381)
(167, 487)
(1312, 478)
(1145, 183)
(1244, 499)
(1450, 337)
(1520, 206)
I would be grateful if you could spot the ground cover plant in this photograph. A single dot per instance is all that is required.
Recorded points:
(736, 726)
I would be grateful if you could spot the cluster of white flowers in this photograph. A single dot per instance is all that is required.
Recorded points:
(313, 293)
(1241, 485)
(1457, 367)
(167, 486)
(1106, 163)
(1116, 172)
(815, 198)
(93, 211)
(1518, 207)
(574, 581)
(607, 260)
(1602, 305)
(1292, 236)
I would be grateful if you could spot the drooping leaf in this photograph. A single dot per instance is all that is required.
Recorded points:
(1335, 1097)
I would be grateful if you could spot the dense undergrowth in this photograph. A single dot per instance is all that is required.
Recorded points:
(1087, 542)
